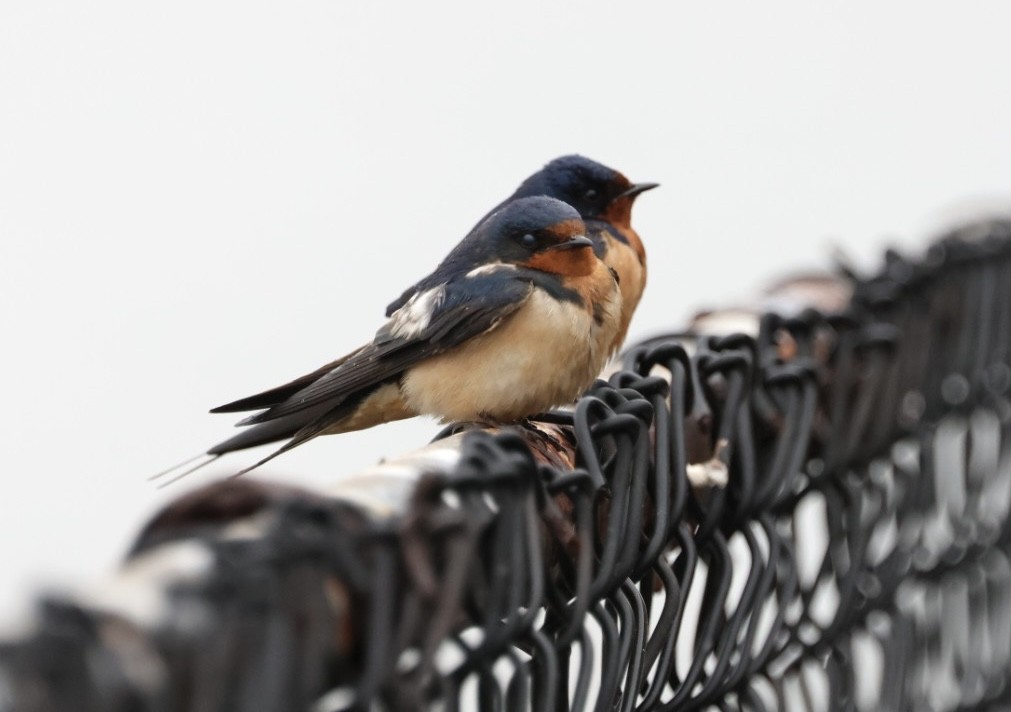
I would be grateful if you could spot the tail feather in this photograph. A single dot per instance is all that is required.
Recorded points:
(370, 406)
(302, 436)
(377, 404)
(183, 468)
(269, 432)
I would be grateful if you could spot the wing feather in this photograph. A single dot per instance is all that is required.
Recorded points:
(279, 394)
(468, 307)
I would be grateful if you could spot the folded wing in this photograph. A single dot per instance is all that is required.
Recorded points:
(431, 322)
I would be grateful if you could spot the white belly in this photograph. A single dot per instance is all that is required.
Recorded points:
(546, 354)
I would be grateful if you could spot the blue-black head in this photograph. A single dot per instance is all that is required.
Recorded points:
(522, 232)
(596, 191)
(528, 226)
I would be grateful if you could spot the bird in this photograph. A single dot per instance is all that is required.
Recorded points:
(518, 318)
(603, 197)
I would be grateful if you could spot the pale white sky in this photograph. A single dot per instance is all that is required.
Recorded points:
(203, 199)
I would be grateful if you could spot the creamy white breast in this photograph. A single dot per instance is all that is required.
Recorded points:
(543, 355)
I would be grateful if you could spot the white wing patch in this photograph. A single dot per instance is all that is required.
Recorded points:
(489, 269)
(414, 317)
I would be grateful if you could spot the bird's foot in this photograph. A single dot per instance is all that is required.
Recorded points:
(544, 431)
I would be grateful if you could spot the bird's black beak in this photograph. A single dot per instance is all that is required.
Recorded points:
(638, 188)
(572, 243)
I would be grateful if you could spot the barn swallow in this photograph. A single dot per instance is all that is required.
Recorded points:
(604, 199)
(518, 318)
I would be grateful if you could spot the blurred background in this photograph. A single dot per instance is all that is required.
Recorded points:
(203, 200)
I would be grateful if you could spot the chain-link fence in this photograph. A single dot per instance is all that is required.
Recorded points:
(814, 516)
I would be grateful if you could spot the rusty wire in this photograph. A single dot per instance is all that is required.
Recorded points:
(858, 558)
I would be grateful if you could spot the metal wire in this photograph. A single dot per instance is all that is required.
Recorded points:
(859, 556)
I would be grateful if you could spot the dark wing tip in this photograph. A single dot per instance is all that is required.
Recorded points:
(239, 406)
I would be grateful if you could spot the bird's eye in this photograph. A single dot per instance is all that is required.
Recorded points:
(528, 240)
(590, 194)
